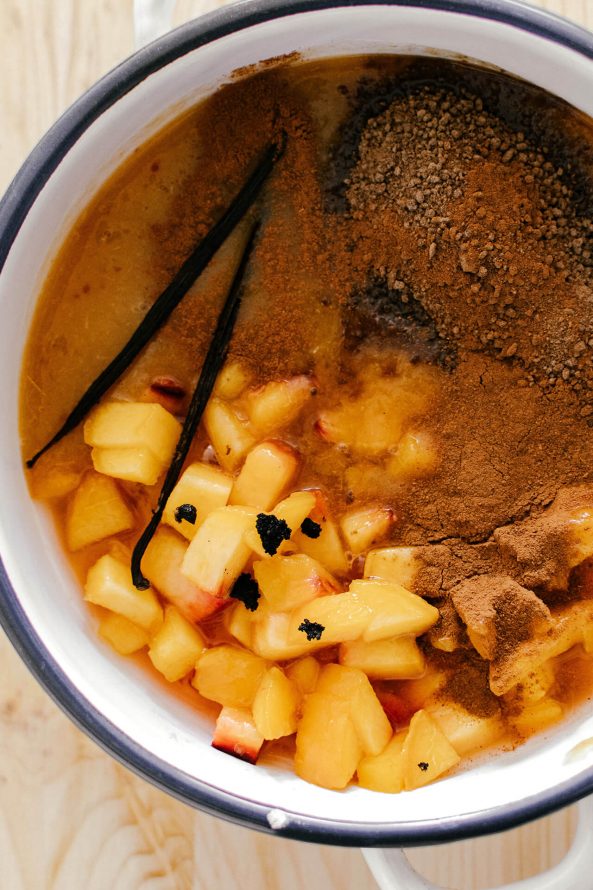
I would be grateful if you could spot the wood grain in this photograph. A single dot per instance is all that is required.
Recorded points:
(68, 813)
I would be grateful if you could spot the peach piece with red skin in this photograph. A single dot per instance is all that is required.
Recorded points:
(237, 735)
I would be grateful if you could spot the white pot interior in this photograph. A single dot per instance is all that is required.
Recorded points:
(164, 726)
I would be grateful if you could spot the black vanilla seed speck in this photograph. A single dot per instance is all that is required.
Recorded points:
(246, 590)
(187, 512)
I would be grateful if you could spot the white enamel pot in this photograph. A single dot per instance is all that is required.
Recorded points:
(40, 604)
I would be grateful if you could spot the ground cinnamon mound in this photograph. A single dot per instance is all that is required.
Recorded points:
(499, 614)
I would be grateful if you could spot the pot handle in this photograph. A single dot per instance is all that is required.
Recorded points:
(152, 19)
(392, 870)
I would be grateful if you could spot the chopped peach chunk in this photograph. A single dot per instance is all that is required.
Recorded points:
(109, 584)
(416, 455)
(218, 553)
(327, 547)
(425, 689)
(129, 464)
(176, 647)
(275, 705)
(289, 581)
(162, 565)
(231, 381)
(133, 425)
(239, 622)
(268, 470)
(363, 528)
(304, 673)
(534, 686)
(427, 752)
(203, 486)
(328, 749)
(271, 638)
(342, 617)
(466, 732)
(372, 422)
(397, 564)
(367, 715)
(396, 659)
(293, 510)
(122, 634)
(96, 511)
(538, 716)
(276, 404)
(229, 675)
(384, 771)
(229, 435)
(132, 440)
(395, 611)
(237, 735)
(373, 610)
(54, 480)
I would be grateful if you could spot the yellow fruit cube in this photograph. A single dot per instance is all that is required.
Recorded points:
(363, 528)
(229, 675)
(133, 425)
(538, 716)
(268, 470)
(289, 581)
(373, 610)
(327, 548)
(416, 455)
(371, 423)
(123, 635)
(109, 584)
(231, 381)
(424, 690)
(397, 564)
(367, 714)
(229, 435)
(395, 611)
(466, 732)
(54, 480)
(237, 735)
(304, 673)
(176, 647)
(277, 404)
(96, 511)
(162, 565)
(328, 749)
(384, 771)
(275, 705)
(427, 752)
(129, 464)
(396, 659)
(535, 685)
(218, 553)
(343, 617)
(203, 486)
(239, 622)
(271, 638)
(293, 510)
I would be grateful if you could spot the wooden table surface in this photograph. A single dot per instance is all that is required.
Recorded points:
(69, 815)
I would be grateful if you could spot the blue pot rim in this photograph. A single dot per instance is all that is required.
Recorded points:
(14, 208)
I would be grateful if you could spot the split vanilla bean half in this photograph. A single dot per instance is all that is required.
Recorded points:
(213, 362)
